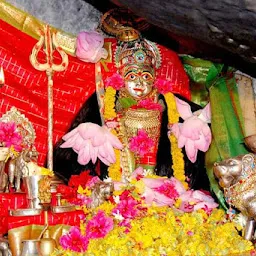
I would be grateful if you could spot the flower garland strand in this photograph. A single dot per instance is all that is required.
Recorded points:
(109, 114)
(177, 155)
(109, 103)
(114, 169)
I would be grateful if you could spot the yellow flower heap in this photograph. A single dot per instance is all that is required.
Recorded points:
(164, 231)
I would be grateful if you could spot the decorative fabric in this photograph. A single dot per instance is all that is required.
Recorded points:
(26, 88)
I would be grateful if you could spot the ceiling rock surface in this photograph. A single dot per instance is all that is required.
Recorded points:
(220, 30)
(230, 24)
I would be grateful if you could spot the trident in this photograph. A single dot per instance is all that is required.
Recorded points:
(50, 44)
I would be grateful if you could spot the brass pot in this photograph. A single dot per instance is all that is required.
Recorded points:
(148, 120)
(30, 248)
(47, 246)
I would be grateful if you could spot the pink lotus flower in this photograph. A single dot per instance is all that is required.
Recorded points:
(162, 191)
(89, 47)
(99, 226)
(9, 135)
(194, 133)
(163, 86)
(149, 105)
(116, 81)
(74, 240)
(168, 189)
(195, 200)
(141, 144)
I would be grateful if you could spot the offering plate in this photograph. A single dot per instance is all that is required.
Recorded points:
(63, 208)
(25, 212)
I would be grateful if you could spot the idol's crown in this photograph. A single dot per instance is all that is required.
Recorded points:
(138, 51)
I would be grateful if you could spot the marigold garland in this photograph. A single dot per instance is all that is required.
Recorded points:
(177, 155)
(114, 169)
(109, 113)
(109, 103)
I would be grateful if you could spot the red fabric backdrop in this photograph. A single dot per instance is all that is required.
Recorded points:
(26, 88)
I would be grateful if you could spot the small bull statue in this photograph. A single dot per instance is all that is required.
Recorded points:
(18, 167)
(237, 176)
(101, 192)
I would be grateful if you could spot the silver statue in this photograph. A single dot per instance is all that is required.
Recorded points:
(4, 248)
(4, 152)
(17, 167)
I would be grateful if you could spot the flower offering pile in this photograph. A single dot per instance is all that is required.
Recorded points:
(148, 216)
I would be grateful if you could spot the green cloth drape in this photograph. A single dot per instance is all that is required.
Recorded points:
(217, 85)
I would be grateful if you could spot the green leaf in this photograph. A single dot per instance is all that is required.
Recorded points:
(127, 102)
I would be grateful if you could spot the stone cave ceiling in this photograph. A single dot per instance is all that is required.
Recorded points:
(221, 30)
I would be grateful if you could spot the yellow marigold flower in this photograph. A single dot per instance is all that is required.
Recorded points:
(216, 215)
(177, 155)
(109, 103)
(45, 171)
(178, 203)
(85, 210)
(82, 227)
(140, 186)
(84, 191)
(107, 207)
(114, 171)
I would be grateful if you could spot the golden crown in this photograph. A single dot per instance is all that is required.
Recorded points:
(137, 51)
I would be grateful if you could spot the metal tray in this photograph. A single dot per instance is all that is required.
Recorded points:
(63, 208)
(25, 212)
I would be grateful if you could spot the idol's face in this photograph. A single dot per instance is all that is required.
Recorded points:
(139, 80)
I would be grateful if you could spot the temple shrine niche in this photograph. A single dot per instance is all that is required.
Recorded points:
(116, 140)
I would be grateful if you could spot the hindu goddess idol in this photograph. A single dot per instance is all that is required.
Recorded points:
(140, 116)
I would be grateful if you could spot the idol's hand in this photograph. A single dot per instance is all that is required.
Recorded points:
(91, 141)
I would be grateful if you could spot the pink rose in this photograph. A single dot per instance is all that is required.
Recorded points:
(89, 47)
(116, 81)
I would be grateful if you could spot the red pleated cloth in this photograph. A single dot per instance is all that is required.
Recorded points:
(13, 201)
(68, 218)
(26, 88)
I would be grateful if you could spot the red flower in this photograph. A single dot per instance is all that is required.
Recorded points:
(141, 144)
(116, 81)
(9, 135)
(163, 86)
(74, 241)
(168, 189)
(80, 179)
(128, 206)
(149, 104)
(99, 226)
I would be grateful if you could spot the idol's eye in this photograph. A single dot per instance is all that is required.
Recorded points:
(131, 76)
(147, 76)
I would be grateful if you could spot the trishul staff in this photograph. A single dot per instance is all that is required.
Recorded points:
(48, 41)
